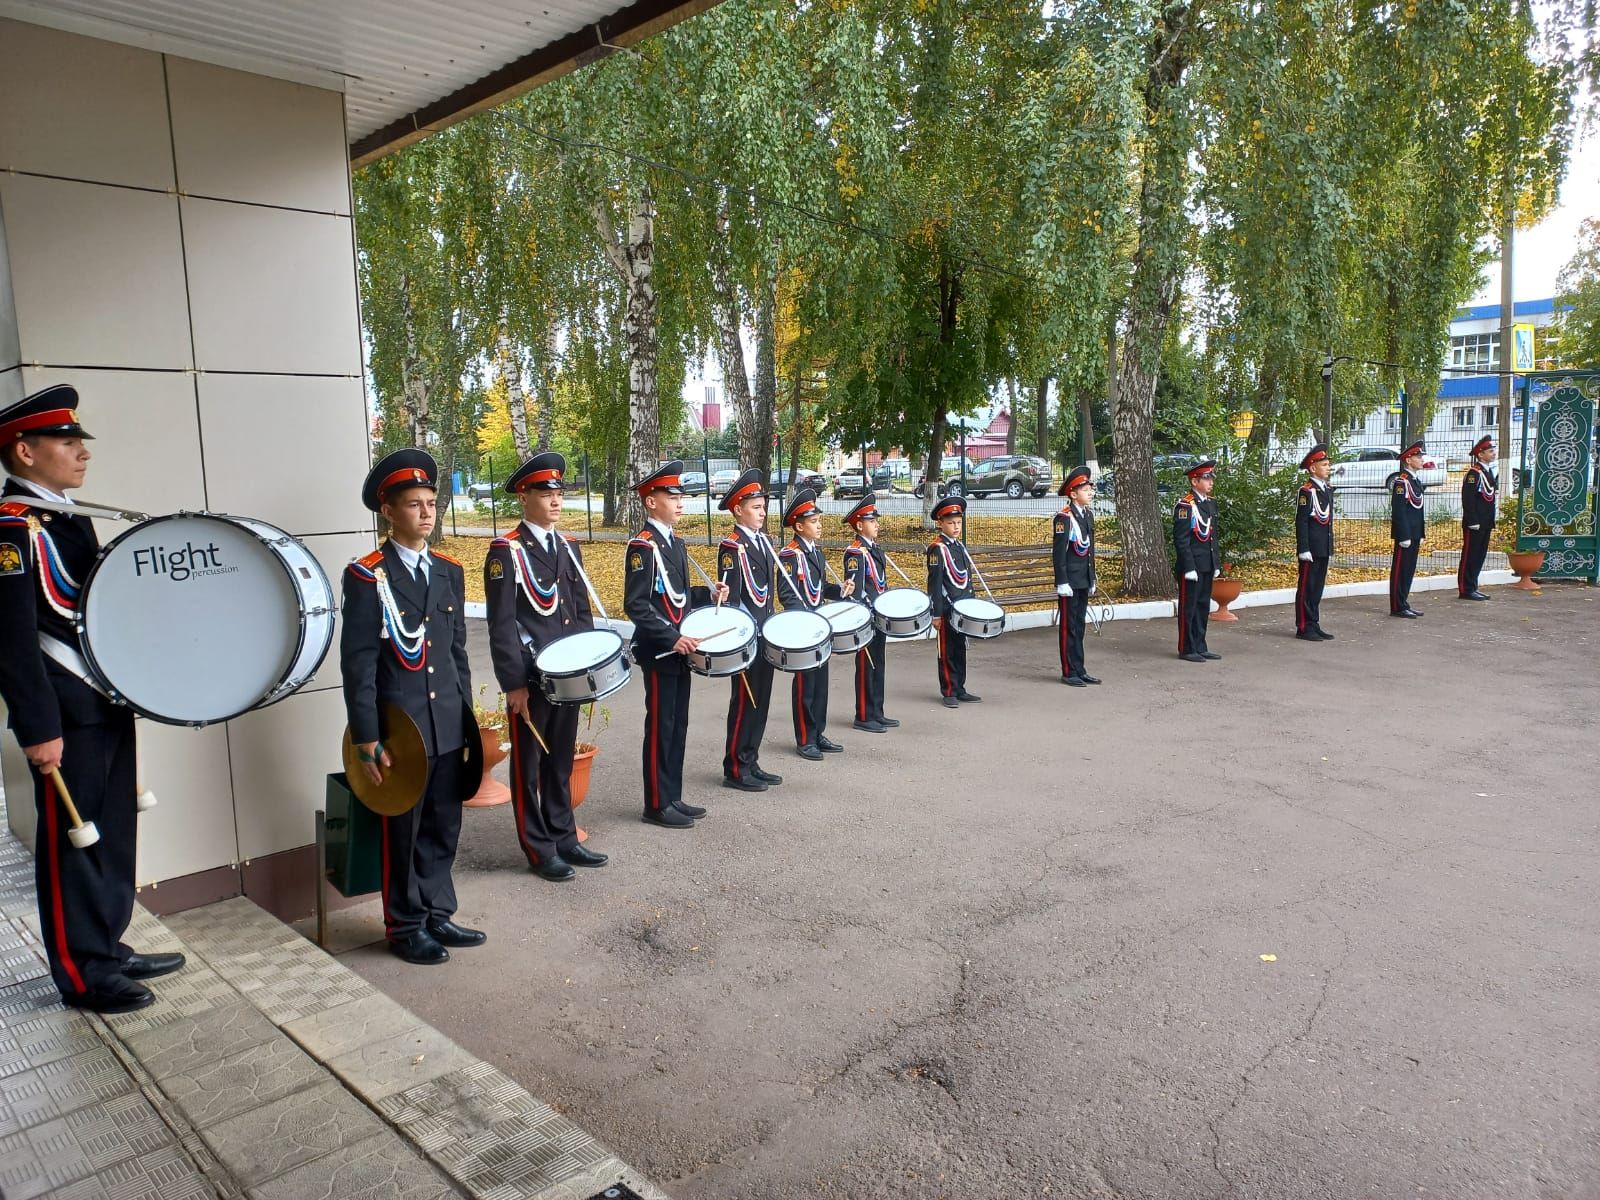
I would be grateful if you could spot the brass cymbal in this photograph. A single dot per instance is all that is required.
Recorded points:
(404, 781)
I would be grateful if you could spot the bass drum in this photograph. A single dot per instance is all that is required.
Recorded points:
(196, 618)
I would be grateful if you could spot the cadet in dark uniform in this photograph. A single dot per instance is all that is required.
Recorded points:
(1407, 526)
(61, 721)
(404, 642)
(1313, 539)
(744, 563)
(1194, 537)
(866, 569)
(950, 576)
(536, 594)
(1072, 552)
(804, 587)
(1479, 487)
(657, 595)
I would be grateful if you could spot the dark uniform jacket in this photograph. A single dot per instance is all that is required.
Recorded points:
(1072, 547)
(435, 690)
(1478, 488)
(1407, 521)
(41, 696)
(745, 564)
(1194, 535)
(1313, 520)
(808, 569)
(867, 567)
(655, 611)
(518, 630)
(950, 573)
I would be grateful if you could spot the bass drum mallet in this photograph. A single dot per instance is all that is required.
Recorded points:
(83, 834)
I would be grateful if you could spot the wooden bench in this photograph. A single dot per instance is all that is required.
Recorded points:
(1017, 575)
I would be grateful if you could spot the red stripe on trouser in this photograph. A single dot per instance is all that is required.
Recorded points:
(517, 799)
(1461, 567)
(388, 920)
(1394, 581)
(738, 720)
(1063, 603)
(1183, 616)
(861, 685)
(945, 684)
(800, 707)
(653, 726)
(1300, 614)
(57, 907)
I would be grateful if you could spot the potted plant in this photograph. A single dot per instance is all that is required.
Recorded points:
(1225, 589)
(492, 726)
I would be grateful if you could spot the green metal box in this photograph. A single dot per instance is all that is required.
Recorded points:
(354, 837)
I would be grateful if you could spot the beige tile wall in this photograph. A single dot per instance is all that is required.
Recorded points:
(181, 251)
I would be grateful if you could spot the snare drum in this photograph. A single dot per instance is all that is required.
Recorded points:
(195, 618)
(582, 667)
(902, 612)
(730, 651)
(796, 640)
(850, 622)
(977, 618)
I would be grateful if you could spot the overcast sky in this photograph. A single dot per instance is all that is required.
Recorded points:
(1540, 253)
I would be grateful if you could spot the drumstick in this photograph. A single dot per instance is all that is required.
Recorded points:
(747, 691)
(705, 638)
(83, 833)
(897, 569)
(867, 650)
(543, 745)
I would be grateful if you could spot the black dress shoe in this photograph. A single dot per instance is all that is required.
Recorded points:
(448, 933)
(692, 811)
(1407, 614)
(827, 745)
(969, 697)
(869, 727)
(582, 856)
(951, 702)
(149, 966)
(888, 722)
(1088, 678)
(1476, 595)
(744, 785)
(810, 752)
(556, 869)
(1323, 634)
(1309, 635)
(1210, 655)
(667, 818)
(1413, 612)
(1073, 681)
(421, 948)
(766, 777)
(1192, 657)
(117, 994)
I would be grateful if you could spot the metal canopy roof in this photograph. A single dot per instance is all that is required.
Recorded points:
(406, 67)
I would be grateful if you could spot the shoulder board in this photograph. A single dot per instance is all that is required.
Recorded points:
(729, 543)
(856, 549)
(361, 572)
(13, 508)
(934, 545)
(1307, 486)
(570, 538)
(643, 543)
(371, 560)
(455, 562)
(499, 543)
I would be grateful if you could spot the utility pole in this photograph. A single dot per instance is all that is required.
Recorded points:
(1508, 233)
(1327, 398)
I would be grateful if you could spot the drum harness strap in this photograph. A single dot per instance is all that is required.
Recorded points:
(68, 659)
(410, 645)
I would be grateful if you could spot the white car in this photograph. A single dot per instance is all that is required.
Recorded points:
(1369, 470)
(721, 481)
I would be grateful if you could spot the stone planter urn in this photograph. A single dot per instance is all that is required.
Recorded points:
(1225, 592)
(490, 791)
(1527, 564)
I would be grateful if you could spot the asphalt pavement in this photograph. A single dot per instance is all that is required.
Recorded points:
(1314, 921)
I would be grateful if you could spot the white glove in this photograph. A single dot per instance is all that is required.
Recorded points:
(1472, 527)
(1406, 545)
(1192, 576)
(1306, 557)
(1063, 589)
(1093, 588)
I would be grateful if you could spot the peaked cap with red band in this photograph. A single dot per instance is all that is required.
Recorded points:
(750, 483)
(1486, 442)
(1414, 448)
(542, 472)
(1076, 478)
(802, 506)
(396, 472)
(866, 509)
(1317, 453)
(1205, 469)
(52, 412)
(667, 479)
(949, 506)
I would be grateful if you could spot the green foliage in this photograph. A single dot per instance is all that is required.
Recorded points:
(1255, 509)
(1576, 336)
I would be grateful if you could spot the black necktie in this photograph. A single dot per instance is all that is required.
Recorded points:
(420, 575)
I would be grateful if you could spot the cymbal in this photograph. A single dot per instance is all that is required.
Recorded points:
(404, 781)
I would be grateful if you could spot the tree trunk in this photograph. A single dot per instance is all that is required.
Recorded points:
(516, 398)
(1011, 427)
(608, 510)
(547, 389)
(766, 395)
(727, 315)
(634, 264)
(1041, 418)
(935, 466)
(1157, 268)
(413, 378)
(1268, 397)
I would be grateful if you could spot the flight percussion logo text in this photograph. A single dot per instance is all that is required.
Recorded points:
(188, 561)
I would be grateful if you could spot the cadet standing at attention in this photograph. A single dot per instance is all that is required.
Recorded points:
(1313, 539)
(1478, 489)
(1194, 537)
(865, 570)
(1408, 524)
(805, 586)
(950, 579)
(744, 563)
(657, 595)
(1072, 552)
(535, 593)
(404, 642)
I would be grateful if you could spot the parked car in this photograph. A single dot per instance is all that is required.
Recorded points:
(481, 490)
(802, 478)
(693, 483)
(1017, 475)
(1370, 469)
(721, 481)
(1169, 468)
(850, 482)
(950, 476)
